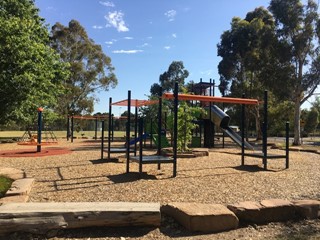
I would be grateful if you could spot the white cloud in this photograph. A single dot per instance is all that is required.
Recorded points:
(107, 4)
(50, 8)
(171, 14)
(128, 38)
(206, 72)
(167, 47)
(108, 42)
(97, 27)
(127, 51)
(115, 19)
(174, 35)
(144, 45)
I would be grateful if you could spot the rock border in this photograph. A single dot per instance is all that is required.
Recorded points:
(20, 187)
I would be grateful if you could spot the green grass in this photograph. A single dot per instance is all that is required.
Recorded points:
(5, 184)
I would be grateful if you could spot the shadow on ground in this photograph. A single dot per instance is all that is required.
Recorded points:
(130, 177)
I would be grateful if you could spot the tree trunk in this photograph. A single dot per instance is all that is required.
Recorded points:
(297, 132)
(258, 125)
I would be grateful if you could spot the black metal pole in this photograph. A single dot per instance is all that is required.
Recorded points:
(135, 128)
(112, 127)
(68, 128)
(140, 141)
(243, 117)
(223, 135)
(39, 129)
(102, 140)
(159, 125)
(151, 131)
(96, 129)
(175, 129)
(72, 126)
(287, 144)
(159, 121)
(128, 132)
(109, 127)
(210, 115)
(265, 127)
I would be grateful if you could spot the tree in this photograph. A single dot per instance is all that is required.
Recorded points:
(312, 120)
(30, 71)
(175, 73)
(243, 49)
(316, 105)
(297, 68)
(91, 70)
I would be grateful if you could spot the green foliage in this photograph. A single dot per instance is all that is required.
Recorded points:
(316, 105)
(278, 114)
(175, 73)
(5, 184)
(312, 120)
(91, 70)
(30, 71)
(280, 48)
(186, 114)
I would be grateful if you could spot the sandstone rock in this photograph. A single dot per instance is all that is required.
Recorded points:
(14, 199)
(272, 210)
(309, 209)
(20, 187)
(197, 217)
(12, 173)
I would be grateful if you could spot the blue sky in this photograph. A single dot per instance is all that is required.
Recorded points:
(143, 37)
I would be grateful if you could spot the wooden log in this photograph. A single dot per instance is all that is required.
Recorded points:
(32, 216)
(38, 225)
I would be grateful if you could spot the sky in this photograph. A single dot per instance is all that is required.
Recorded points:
(143, 37)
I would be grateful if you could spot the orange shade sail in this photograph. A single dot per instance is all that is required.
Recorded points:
(211, 98)
(135, 103)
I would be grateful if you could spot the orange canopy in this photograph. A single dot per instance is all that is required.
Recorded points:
(135, 102)
(211, 99)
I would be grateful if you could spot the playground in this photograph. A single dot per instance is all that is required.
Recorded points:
(107, 170)
(81, 176)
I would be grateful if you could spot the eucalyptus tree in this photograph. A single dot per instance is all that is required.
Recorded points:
(91, 69)
(175, 73)
(243, 50)
(297, 73)
(30, 71)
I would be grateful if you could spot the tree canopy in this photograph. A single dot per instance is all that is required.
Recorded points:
(175, 73)
(91, 69)
(276, 49)
(30, 71)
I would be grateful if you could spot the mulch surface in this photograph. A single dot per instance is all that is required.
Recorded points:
(33, 152)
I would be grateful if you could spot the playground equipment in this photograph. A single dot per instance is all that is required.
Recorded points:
(34, 136)
(126, 149)
(70, 125)
(222, 120)
(218, 117)
(264, 154)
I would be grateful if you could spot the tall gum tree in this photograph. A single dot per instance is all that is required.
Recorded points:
(243, 49)
(91, 69)
(298, 34)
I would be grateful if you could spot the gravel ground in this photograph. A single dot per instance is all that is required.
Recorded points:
(81, 176)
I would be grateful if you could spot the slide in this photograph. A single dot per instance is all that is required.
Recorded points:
(136, 140)
(221, 119)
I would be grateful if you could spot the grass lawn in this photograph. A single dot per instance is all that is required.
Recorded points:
(5, 184)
